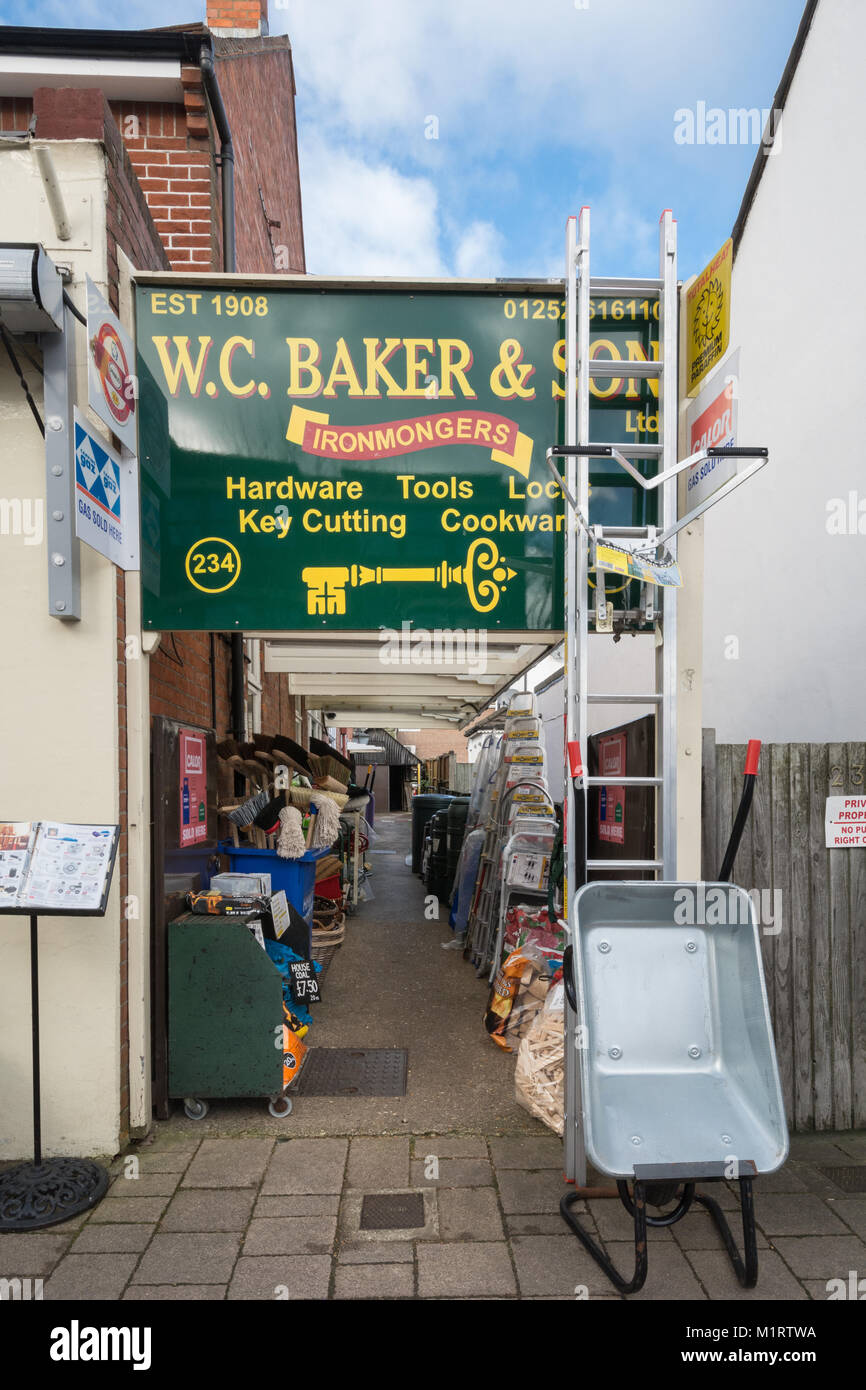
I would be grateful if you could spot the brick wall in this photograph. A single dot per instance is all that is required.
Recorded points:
(173, 154)
(432, 743)
(258, 86)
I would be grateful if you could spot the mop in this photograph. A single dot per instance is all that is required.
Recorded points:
(290, 844)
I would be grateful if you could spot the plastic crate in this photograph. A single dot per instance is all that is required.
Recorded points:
(297, 877)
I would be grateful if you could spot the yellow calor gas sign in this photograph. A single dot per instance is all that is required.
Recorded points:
(708, 317)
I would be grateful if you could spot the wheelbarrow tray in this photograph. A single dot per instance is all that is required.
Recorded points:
(678, 1064)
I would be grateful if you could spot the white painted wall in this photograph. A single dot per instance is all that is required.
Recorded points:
(789, 592)
(58, 731)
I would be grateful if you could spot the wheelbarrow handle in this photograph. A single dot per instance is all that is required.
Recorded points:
(568, 977)
(750, 776)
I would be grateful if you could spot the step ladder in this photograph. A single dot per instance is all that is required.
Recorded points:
(658, 602)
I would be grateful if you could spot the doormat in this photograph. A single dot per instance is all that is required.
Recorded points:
(392, 1211)
(354, 1071)
(850, 1179)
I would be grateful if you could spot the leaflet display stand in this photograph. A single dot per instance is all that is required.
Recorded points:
(51, 1190)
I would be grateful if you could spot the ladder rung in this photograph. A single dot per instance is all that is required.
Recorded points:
(636, 451)
(634, 533)
(630, 864)
(616, 781)
(602, 366)
(600, 284)
(653, 699)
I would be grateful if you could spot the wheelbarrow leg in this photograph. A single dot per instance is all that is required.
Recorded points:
(746, 1270)
(640, 1243)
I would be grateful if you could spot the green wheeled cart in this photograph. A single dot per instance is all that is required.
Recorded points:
(225, 1016)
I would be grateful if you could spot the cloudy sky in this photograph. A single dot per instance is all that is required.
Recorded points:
(455, 138)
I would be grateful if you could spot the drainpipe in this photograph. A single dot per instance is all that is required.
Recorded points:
(227, 175)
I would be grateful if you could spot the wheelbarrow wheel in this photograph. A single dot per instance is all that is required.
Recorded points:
(661, 1194)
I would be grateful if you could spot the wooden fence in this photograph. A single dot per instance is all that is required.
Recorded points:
(815, 950)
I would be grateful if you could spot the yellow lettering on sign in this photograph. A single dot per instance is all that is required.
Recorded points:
(343, 372)
(229, 349)
(183, 364)
(305, 379)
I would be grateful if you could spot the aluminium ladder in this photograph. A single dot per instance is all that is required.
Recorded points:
(658, 609)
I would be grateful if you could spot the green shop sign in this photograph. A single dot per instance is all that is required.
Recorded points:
(322, 457)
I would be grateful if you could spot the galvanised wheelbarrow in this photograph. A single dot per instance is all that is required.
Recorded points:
(679, 1081)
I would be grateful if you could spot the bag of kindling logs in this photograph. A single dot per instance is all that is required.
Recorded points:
(539, 1078)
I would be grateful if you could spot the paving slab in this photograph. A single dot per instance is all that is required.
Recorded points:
(812, 1179)
(524, 1193)
(146, 1185)
(184, 1258)
(527, 1151)
(670, 1276)
(817, 1148)
(307, 1167)
(697, 1231)
(716, 1273)
(127, 1238)
(851, 1210)
(164, 1161)
(174, 1293)
(557, 1265)
(374, 1252)
(469, 1213)
(86, 1278)
(168, 1137)
(450, 1146)
(788, 1179)
(853, 1143)
(229, 1163)
(114, 1209)
(209, 1209)
(613, 1222)
(376, 1164)
(828, 1290)
(452, 1172)
(543, 1223)
(281, 1277)
(29, 1254)
(822, 1257)
(290, 1235)
(324, 1204)
(800, 1214)
(456, 1270)
(374, 1281)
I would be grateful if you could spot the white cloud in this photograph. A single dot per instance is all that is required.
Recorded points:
(479, 252)
(365, 218)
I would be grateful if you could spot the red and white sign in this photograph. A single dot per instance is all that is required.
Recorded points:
(192, 779)
(713, 425)
(845, 822)
(111, 383)
(611, 801)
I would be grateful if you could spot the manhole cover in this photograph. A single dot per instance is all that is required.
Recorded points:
(354, 1071)
(850, 1179)
(392, 1211)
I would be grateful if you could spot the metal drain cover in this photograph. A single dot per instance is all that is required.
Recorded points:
(392, 1211)
(354, 1071)
(850, 1179)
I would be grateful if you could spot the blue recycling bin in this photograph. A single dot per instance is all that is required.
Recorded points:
(297, 877)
